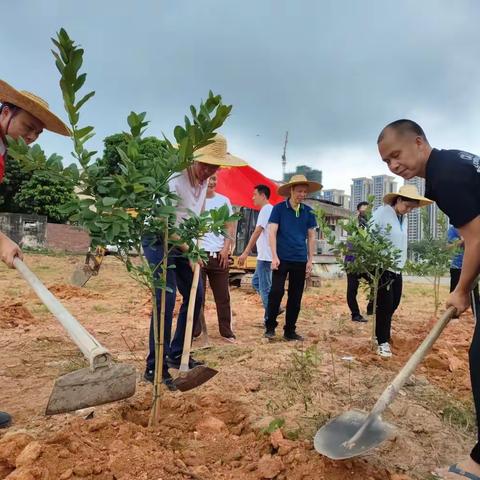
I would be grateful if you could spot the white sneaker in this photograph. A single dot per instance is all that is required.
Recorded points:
(384, 350)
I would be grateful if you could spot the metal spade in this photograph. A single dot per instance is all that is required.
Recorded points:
(355, 432)
(102, 382)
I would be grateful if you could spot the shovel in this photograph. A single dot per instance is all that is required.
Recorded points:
(82, 273)
(355, 432)
(192, 378)
(102, 382)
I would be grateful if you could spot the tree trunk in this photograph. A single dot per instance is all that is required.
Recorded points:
(159, 336)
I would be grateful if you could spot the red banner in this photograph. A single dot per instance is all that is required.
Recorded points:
(238, 183)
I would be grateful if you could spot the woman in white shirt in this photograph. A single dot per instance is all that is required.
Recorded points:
(392, 222)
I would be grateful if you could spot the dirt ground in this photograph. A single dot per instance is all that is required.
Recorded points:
(222, 430)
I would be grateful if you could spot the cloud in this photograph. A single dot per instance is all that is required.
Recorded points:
(331, 72)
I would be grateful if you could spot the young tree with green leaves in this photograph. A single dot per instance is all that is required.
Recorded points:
(431, 256)
(371, 253)
(133, 203)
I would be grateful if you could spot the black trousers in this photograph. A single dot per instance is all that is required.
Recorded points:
(473, 356)
(353, 281)
(296, 283)
(388, 299)
(454, 278)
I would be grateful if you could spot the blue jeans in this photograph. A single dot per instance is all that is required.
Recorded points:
(262, 281)
(179, 277)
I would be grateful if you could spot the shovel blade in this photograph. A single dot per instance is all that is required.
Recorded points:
(84, 388)
(81, 275)
(194, 378)
(330, 439)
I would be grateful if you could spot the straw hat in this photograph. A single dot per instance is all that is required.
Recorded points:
(407, 191)
(34, 105)
(216, 154)
(284, 190)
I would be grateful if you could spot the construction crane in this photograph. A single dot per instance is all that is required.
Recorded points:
(284, 156)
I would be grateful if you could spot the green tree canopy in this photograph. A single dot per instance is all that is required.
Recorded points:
(46, 194)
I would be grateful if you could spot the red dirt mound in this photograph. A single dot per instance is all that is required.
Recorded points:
(14, 314)
(65, 292)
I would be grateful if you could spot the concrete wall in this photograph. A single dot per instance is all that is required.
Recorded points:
(27, 230)
(33, 231)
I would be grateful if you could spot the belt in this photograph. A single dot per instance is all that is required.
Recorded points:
(212, 254)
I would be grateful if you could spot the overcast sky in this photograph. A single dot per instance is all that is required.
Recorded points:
(332, 73)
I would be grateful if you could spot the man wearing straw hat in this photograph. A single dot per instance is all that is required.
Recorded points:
(391, 219)
(22, 115)
(191, 187)
(292, 227)
(452, 179)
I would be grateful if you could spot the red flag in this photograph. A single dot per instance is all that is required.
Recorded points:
(237, 183)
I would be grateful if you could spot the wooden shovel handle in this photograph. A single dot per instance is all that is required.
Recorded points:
(187, 342)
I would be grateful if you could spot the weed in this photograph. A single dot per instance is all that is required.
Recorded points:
(74, 363)
(459, 415)
(101, 308)
(297, 377)
(275, 424)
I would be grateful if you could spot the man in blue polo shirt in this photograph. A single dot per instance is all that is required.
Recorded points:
(291, 224)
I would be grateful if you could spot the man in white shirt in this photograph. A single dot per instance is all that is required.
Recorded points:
(262, 278)
(218, 249)
(191, 187)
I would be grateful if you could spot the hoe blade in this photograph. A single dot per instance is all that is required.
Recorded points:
(194, 378)
(81, 275)
(84, 388)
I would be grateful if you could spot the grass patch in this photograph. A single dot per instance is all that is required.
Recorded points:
(460, 416)
(101, 308)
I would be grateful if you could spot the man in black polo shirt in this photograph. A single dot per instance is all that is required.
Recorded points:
(453, 182)
(292, 242)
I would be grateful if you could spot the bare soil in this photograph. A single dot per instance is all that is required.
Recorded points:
(221, 430)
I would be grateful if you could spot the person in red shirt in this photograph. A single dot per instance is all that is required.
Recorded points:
(22, 115)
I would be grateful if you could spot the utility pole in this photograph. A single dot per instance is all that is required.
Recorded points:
(284, 156)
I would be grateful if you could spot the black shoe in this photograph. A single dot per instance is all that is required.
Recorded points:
(167, 379)
(269, 334)
(5, 420)
(175, 363)
(358, 318)
(290, 337)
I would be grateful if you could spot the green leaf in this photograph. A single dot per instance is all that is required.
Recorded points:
(109, 201)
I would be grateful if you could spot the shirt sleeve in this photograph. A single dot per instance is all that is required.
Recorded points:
(275, 215)
(229, 205)
(452, 235)
(312, 220)
(262, 220)
(459, 200)
(457, 191)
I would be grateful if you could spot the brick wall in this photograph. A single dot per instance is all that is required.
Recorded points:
(66, 238)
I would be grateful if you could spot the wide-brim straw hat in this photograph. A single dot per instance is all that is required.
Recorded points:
(407, 191)
(284, 190)
(34, 105)
(216, 154)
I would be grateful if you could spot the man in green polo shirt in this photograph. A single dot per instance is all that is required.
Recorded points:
(292, 241)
